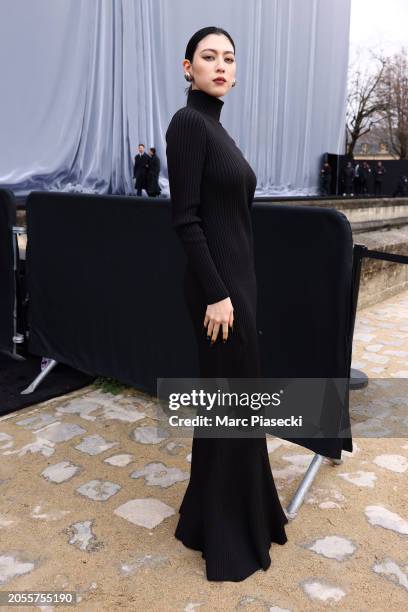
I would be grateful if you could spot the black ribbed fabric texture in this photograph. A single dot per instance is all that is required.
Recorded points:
(212, 187)
(231, 510)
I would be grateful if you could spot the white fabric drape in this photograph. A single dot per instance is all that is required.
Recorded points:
(84, 81)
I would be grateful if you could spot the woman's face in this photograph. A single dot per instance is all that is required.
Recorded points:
(213, 58)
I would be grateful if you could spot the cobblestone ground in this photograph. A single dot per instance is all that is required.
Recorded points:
(90, 491)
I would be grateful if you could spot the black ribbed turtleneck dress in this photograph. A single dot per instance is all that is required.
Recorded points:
(231, 510)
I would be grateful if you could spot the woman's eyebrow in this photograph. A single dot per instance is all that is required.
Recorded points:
(215, 51)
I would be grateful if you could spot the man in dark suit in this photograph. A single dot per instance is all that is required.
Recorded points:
(140, 168)
(364, 173)
(402, 187)
(348, 179)
(153, 173)
(379, 172)
(325, 179)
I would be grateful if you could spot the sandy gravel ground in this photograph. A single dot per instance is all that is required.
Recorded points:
(89, 498)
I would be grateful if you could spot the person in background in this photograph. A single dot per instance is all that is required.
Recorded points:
(357, 182)
(153, 172)
(325, 179)
(379, 171)
(140, 167)
(348, 179)
(402, 187)
(364, 175)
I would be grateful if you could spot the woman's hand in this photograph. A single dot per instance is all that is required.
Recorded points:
(219, 315)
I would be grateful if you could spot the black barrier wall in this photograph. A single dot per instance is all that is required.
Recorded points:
(394, 169)
(303, 259)
(105, 285)
(105, 278)
(7, 279)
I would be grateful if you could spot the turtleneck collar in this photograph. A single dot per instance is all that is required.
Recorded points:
(205, 103)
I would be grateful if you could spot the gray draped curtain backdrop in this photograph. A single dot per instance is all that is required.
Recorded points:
(84, 81)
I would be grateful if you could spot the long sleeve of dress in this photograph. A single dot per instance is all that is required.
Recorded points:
(186, 151)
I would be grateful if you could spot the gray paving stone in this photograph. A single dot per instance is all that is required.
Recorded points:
(121, 460)
(332, 547)
(98, 490)
(6, 441)
(95, 444)
(252, 602)
(389, 342)
(148, 434)
(60, 472)
(60, 432)
(82, 406)
(288, 474)
(363, 337)
(14, 564)
(393, 572)
(82, 536)
(394, 463)
(42, 446)
(320, 590)
(107, 408)
(173, 448)
(374, 358)
(326, 499)
(374, 409)
(5, 520)
(360, 478)
(158, 474)
(191, 606)
(146, 512)
(39, 512)
(134, 564)
(371, 428)
(37, 421)
(373, 348)
(377, 515)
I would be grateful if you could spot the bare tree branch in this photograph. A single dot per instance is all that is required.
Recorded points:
(364, 107)
(393, 91)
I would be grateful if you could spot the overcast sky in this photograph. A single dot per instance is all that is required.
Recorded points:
(375, 22)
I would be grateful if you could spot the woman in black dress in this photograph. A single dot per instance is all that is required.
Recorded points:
(231, 511)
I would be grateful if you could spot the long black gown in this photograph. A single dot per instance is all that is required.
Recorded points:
(231, 510)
